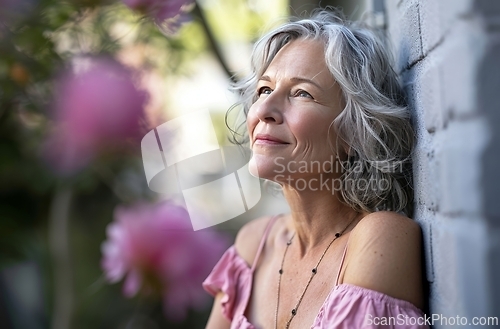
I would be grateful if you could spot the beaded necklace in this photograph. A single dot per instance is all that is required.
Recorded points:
(313, 273)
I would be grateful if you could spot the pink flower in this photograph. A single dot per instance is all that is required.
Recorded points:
(166, 13)
(156, 250)
(98, 107)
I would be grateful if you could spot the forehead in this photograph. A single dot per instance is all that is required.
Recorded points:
(301, 58)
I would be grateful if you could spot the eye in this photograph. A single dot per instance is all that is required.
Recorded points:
(302, 93)
(264, 91)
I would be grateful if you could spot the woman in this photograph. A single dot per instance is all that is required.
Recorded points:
(326, 121)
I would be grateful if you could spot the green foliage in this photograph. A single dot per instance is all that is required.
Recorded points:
(34, 48)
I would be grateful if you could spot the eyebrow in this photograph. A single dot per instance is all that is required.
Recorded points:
(296, 79)
(299, 79)
(265, 78)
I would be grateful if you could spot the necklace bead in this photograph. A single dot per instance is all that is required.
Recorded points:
(314, 272)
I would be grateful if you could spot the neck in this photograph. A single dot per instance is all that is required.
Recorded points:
(316, 216)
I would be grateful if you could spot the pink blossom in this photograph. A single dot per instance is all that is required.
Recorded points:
(163, 12)
(154, 248)
(97, 107)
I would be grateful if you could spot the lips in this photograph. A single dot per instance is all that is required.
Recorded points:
(265, 139)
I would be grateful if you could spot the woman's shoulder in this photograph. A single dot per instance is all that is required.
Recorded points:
(385, 254)
(249, 237)
(385, 223)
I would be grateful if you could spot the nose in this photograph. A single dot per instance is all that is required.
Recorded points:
(269, 108)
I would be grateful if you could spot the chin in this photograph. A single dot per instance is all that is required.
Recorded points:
(261, 168)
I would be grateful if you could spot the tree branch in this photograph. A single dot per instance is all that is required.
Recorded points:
(61, 258)
(198, 11)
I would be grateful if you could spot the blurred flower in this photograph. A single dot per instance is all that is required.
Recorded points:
(96, 107)
(156, 250)
(168, 14)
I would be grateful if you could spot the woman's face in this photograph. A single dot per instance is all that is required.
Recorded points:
(290, 121)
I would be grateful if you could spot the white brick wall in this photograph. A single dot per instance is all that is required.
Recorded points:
(448, 53)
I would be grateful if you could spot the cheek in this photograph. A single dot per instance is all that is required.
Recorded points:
(252, 120)
(310, 128)
(314, 137)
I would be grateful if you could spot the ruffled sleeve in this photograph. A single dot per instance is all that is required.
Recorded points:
(232, 276)
(349, 306)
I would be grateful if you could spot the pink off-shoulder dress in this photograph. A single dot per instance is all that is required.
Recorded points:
(346, 306)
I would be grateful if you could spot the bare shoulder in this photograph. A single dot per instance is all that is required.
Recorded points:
(246, 244)
(385, 254)
(386, 224)
(249, 236)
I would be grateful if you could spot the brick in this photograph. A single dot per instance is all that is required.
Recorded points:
(431, 95)
(424, 92)
(424, 219)
(494, 269)
(404, 31)
(450, 11)
(488, 92)
(462, 51)
(460, 149)
(430, 26)
(428, 90)
(409, 81)
(459, 247)
(444, 297)
(425, 175)
(487, 7)
(472, 247)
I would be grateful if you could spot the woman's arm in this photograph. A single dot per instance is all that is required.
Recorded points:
(216, 319)
(246, 244)
(385, 254)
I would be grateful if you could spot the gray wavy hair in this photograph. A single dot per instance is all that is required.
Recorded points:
(374, 127)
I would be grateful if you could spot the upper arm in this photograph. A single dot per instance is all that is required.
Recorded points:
(246, 244)
(385, 254)
(217, 319)
(248, 238)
